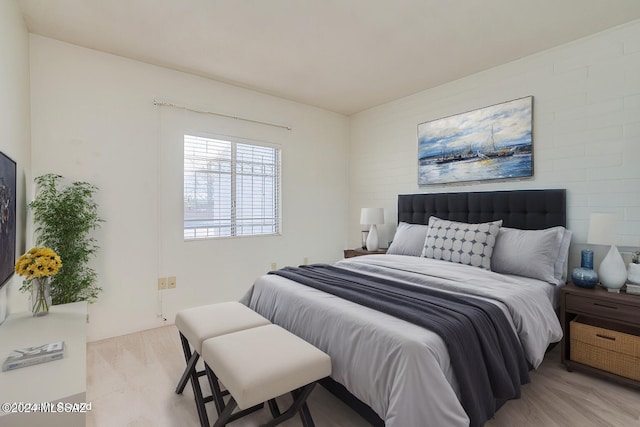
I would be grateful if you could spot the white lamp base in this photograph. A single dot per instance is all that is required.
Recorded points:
(372, 240)
(633, 276)
(612, 271)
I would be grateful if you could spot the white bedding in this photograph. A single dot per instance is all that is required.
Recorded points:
(402, 371)
(552, 291)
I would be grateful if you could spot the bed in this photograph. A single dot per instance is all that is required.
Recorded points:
(404, 372)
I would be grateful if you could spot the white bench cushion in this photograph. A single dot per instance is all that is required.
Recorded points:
(262, 363)
(200, 323)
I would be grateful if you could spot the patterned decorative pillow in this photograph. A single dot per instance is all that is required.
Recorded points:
(459, 242)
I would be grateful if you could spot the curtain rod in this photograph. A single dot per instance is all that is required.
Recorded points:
(182, 107)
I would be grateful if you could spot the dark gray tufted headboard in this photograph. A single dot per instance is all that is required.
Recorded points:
(524, 209)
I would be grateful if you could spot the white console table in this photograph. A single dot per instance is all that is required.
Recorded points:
(57, 381)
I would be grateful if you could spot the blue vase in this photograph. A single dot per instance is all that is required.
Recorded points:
(586, 260)
(585, 276)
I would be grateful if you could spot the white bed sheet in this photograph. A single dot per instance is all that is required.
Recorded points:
(402, 371)
(552, 291)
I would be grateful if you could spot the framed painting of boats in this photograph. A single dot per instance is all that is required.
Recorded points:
(493, 142)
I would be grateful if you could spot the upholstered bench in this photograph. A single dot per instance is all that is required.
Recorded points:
(259, 364)
(200, 323)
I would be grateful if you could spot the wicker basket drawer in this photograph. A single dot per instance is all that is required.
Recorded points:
(606, 349)
(606, 338)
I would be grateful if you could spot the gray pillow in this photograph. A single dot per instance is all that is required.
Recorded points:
(529, 253)
(409, 239)
(459, 242)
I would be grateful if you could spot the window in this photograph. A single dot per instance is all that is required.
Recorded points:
(231, 188)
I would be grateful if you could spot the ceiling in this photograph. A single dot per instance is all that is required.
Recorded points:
(341, 55)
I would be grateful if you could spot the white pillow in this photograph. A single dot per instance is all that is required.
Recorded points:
(529, 253)
(470, 244)
(562, 262)
(409, 239)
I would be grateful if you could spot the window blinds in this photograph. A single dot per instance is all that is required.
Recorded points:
(230, 188)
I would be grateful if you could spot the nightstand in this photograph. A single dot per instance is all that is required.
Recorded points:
(350, 253)
(601, 333)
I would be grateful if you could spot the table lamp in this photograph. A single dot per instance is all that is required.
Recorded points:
(372, 217)
(612, 271)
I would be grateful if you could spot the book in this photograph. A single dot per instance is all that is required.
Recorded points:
(633, 289)
(34, 355)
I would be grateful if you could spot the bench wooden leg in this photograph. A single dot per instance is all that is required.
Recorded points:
(225, 416)
(215, 388)
(197, 392)
(305, 416)
(218, 399)
(191, 365)
(273, 407)
(299, 402)
(190, 373)
(191, 359)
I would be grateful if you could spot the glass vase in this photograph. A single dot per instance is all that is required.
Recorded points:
(586, 259)
(40, 296)
(585, 276)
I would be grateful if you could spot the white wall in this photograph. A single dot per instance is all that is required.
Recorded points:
(15, 127)
(586, 133)
(93, 119)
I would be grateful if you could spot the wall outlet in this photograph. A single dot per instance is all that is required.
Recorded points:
(274, 266)
(306, 261)
(162, 283)
(171, 282)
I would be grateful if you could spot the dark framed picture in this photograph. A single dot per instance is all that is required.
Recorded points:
(493, 142)
(7, 218)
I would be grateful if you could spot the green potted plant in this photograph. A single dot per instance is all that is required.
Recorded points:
(65, 217)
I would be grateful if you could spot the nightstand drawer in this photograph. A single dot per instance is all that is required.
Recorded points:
(606, 349)
(607, 360)
(600, 307)
(607, 339)
(601, 333)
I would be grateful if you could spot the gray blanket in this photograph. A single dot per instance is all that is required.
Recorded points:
(401, 370)
(485, 353)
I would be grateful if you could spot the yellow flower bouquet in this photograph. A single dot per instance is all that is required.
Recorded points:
(38, 265)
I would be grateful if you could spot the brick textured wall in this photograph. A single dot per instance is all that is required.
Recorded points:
(586, 133)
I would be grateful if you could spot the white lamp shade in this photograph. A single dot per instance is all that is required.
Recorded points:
(601, 228)
(371, 216)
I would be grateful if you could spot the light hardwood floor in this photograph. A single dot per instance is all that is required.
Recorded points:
(131, 381)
